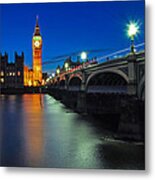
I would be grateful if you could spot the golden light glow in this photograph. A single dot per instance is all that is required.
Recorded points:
(37, 43)
(38, 68)
(28, 76)
(34, 145)
(2, 80)
(29, 83)
(33, 77)
(2, 73)
(34, 84)
(43, 82)
(18, 73)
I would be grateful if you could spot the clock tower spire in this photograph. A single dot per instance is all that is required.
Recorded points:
(37, 29)
(37, 55)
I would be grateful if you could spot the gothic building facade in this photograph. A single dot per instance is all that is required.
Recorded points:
(12, 73)
(34, 77)
(16, 74)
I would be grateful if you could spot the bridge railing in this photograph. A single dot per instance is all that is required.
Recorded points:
(120, 53)
(62, 87)
(107, 89)
(74, 88)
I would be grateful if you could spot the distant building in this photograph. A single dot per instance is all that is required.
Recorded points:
(12, 74)
(37, 56)
(17, 75)
(28, 76)
(34, 77)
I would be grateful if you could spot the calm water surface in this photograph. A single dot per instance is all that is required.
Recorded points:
(38, 131)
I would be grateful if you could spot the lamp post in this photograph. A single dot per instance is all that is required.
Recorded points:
(66, 66)
(58, 71)
(83, 56)
(132, 31)
(53, 75)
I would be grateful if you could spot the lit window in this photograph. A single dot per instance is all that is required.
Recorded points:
(10, 73)
(38, 68)
(13, 73)
(2, 80)
(2, 73)
(18, 73)
(29, 83)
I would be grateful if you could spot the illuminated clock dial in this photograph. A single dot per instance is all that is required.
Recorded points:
(37, 43)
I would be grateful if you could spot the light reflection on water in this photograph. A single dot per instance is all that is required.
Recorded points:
(39, 131)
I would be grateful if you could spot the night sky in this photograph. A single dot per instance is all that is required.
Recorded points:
(68, 27)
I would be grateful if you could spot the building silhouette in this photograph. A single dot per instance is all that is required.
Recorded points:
(12, 73)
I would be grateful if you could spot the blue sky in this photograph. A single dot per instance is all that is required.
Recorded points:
(68, 27)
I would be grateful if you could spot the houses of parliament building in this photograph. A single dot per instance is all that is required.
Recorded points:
(17, 75)
(33, 77)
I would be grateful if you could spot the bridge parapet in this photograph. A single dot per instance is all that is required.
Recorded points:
(130, 68)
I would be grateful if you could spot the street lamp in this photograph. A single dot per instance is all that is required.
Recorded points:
(66, 65)
(83, 56)
(53, 74)
(58, 71)
(132, 31)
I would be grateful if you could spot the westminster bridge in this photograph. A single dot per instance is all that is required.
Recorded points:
(114, 87)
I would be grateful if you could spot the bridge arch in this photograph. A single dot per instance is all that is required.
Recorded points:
(107, 81)
(55, 84)
(79, 76)
(62, 84)
(74, 82)
(141, 89)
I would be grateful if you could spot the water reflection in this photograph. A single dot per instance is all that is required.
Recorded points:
(12, 147)
(39, 131)
(33, 128)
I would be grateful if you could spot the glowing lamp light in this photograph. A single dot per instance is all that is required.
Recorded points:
(43, 82)
(58, 71)
(29, 83)
(48, 79)
(133, 29)
(53, 74)
(83, 55)
(66, 65)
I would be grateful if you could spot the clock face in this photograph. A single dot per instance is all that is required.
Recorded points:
(37, 43)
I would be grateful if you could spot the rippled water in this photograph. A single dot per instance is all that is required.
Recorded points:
(38, 131)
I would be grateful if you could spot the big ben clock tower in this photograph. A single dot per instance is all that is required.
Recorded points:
(37, 55)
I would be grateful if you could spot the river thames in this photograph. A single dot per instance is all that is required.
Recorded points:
(39, 131)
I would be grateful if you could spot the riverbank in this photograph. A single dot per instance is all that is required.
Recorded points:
(24, 90)
(120, 113)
